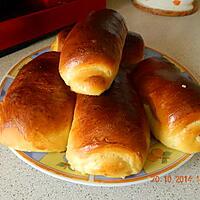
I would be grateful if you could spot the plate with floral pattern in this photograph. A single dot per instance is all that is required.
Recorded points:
(160, 161)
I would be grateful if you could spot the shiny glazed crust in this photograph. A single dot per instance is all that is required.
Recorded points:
(37, 111)
(92, 52)
(58, 43)
(133, 50)
(172, 103)
(109, 134)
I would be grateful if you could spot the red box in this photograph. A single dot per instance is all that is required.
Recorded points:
(50, 15)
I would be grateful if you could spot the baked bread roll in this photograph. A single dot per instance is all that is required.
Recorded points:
(57, 44)
(92, 52)
(99, 136)
(133, 50)
(109, 134)
(172, 103)
(37, 111)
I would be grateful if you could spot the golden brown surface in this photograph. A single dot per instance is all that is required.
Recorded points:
(58, 43)
(172, 102)
(133, 50)
(109, 134)
(37, 110)
(92, 52)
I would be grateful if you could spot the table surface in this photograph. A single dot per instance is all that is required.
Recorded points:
(178, 37)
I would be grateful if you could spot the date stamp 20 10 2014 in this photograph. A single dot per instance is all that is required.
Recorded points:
(176, 179)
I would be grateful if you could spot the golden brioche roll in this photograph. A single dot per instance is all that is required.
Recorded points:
(37, 111)
(172, 103)
(109, 134)
(133, 50)
(92, 52)
(58, 43)
(98, 145)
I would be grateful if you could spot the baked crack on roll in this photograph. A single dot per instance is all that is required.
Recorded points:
(172, 103)
(92, 52)
(37, 111)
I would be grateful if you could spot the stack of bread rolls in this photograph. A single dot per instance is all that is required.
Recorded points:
(89, 99)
